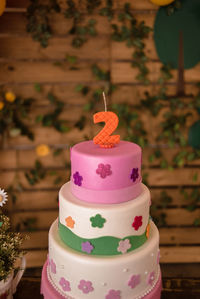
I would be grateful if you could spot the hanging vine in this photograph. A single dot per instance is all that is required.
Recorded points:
(173, 112)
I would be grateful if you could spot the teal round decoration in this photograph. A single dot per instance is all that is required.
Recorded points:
(167, 31)
(194, 135)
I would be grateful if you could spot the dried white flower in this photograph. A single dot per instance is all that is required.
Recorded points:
(3, 197)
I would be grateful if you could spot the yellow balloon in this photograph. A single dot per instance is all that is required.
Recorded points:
(2, 6)
(162, 2)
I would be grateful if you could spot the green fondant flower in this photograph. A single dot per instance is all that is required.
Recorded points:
(97, 221)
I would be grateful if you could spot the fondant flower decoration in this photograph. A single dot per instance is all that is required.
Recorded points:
(77, 178)
(42, 150)
(65, 284)
(124, 245)
(53, 266)
(97, 221)
(10, 96)
(134, 174)
(158, 257)
(85, 286)
(148, 231)
(134, 281)
(104, 170)
(137, 222)
(112, 294)
(151, 278)
(1, 105)
(87, 247)
(3, 197)
(69, 222)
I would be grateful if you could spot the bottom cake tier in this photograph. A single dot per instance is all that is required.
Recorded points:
(71, 274)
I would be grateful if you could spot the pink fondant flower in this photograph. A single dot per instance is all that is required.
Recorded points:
(134, 174)
(137, 222)
(104, 170)
(134, 281)
(112, 294)
(124, 245)
(65, 284)
(87, 247)
(77, 178)
(151, 278)
(85, 286)
(53, 266)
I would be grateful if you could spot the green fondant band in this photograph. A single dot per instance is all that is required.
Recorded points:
(102, 245)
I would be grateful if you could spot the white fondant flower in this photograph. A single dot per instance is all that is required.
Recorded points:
(124, 245)
(3, 197)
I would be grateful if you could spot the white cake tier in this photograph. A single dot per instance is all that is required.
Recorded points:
(128, 276)
(89, 220)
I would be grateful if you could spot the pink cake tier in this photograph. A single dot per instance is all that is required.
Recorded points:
(72, 274)
(49, 291)
(102, 175)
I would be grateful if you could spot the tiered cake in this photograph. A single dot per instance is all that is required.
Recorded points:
(104, 244)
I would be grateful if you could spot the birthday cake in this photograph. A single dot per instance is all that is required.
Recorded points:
(103, 244)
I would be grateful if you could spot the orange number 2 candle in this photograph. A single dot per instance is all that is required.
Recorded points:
(111, 120)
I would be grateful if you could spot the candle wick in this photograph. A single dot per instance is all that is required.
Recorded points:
(104, 99)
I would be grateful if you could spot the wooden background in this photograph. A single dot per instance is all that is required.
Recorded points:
(23, 63)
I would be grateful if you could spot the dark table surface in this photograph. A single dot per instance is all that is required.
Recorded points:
(179, 281)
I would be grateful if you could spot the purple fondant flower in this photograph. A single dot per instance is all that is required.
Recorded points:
(134, 281)
(112, 294)
(134, 174)
(77, 178)
(85, 286)
(151, 278)
(65, 284)
(124, 245)
(53, 266)
(87, 247)
(137, 222)
(104, 170)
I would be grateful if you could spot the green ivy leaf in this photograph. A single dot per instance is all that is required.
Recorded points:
(39, 118)
(37, 87)
(51, 98)
(57, 152)
(197, 222)
(58, 180)
(71, 59)
(195, 177)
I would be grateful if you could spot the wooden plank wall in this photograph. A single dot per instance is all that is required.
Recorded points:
(23, 63)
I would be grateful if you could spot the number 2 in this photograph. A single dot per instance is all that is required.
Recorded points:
(103, 138)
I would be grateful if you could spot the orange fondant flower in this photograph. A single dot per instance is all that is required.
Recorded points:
(148, 230)
(1, 105)
(10, 96)
(42, 150)
(70, 222)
